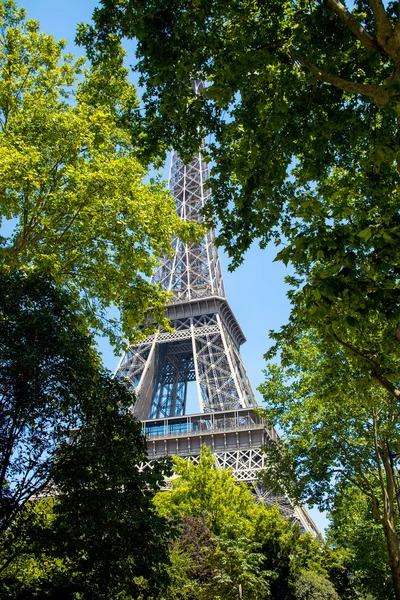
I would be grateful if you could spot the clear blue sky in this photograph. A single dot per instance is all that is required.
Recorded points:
(256, 291)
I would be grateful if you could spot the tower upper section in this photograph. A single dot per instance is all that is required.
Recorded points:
(194, 271)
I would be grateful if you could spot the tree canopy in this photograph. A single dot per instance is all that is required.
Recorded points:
(67, 434)
(73, 202)
(302, 108)
(49, 372)
(228, 539)
(339, 430)
(301, 100)
(353, 529)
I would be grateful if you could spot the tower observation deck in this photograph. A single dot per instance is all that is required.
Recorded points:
(199, 364)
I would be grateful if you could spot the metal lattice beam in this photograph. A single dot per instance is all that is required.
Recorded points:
(194, 271)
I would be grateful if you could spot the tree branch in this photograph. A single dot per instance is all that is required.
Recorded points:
(376, 369)
(383, 26)
(379, 94)
(355, 26)
(377, 374)
(378, 457)
(352, 349)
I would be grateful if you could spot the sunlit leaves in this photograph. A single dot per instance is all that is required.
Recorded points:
(72, 197)
(228, 539)
(300, 157)
(331, 414)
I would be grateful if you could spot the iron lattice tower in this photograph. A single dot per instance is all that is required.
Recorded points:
(204, 347)
(201, 356)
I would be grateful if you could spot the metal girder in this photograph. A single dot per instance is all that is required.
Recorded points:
(200, 349)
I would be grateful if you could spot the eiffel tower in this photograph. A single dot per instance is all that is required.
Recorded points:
(199, 363)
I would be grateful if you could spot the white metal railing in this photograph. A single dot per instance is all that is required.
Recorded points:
(203, 424)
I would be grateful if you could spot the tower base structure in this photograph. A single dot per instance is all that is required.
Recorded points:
(235, 438)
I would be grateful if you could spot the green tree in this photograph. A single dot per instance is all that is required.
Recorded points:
(354, 529)
(241, 542)
(206, 567)
(229, 557)
(67, 432)
(339, 429)
(48, 374)
(234, 562)
(302, 104)
(190, 568)
(311, 586)
(106, 529)
(72, 193)
(205, 491)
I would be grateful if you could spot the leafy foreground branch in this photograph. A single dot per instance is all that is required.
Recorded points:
(340, 441)
(72, 198)
(226, 539)
(302, 103)
(97, 534)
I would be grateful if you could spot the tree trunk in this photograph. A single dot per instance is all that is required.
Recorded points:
(389, 516)
(393, 547)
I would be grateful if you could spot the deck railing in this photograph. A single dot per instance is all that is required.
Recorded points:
(241, 419)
